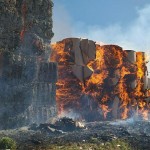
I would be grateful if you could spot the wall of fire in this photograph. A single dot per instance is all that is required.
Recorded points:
(100, 82)
(27, 79)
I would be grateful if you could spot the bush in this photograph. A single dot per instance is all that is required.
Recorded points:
(7, 143)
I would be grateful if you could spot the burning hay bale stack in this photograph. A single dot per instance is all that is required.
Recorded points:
(27, 79)
(100, 82)
(73, 72)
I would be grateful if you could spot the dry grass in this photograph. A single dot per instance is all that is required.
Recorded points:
(113, 145)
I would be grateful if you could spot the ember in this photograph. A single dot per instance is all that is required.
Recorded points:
(101, 82)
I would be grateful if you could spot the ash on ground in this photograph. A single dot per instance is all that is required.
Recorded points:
(65, 130)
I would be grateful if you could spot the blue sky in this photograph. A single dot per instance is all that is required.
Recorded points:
(102, 12)
(122, 22)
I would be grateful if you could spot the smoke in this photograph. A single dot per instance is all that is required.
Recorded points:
(62, 23)
(70, 114)
(135, 36)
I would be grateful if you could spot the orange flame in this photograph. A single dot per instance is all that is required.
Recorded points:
(105, 110)
(111, 73)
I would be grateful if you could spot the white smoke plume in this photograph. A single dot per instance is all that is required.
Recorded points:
(135, 36)
(62, 24)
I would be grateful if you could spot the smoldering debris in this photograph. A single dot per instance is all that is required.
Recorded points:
(60, 126)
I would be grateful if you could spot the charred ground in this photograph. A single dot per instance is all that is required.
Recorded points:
(135, 133)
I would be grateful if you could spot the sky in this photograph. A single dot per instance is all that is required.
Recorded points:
(122, 22)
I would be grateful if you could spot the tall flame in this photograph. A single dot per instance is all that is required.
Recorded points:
(140, 92)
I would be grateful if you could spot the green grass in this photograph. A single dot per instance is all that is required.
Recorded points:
(113, 145)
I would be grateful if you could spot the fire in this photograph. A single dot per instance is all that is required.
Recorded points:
(97, 78)
(140, 92)
(64, 93)
(115, 86)
(140, 65)
(105, 110)
(124, 115)
(123, 94)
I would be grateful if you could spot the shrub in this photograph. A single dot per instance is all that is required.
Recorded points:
(7, 143)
